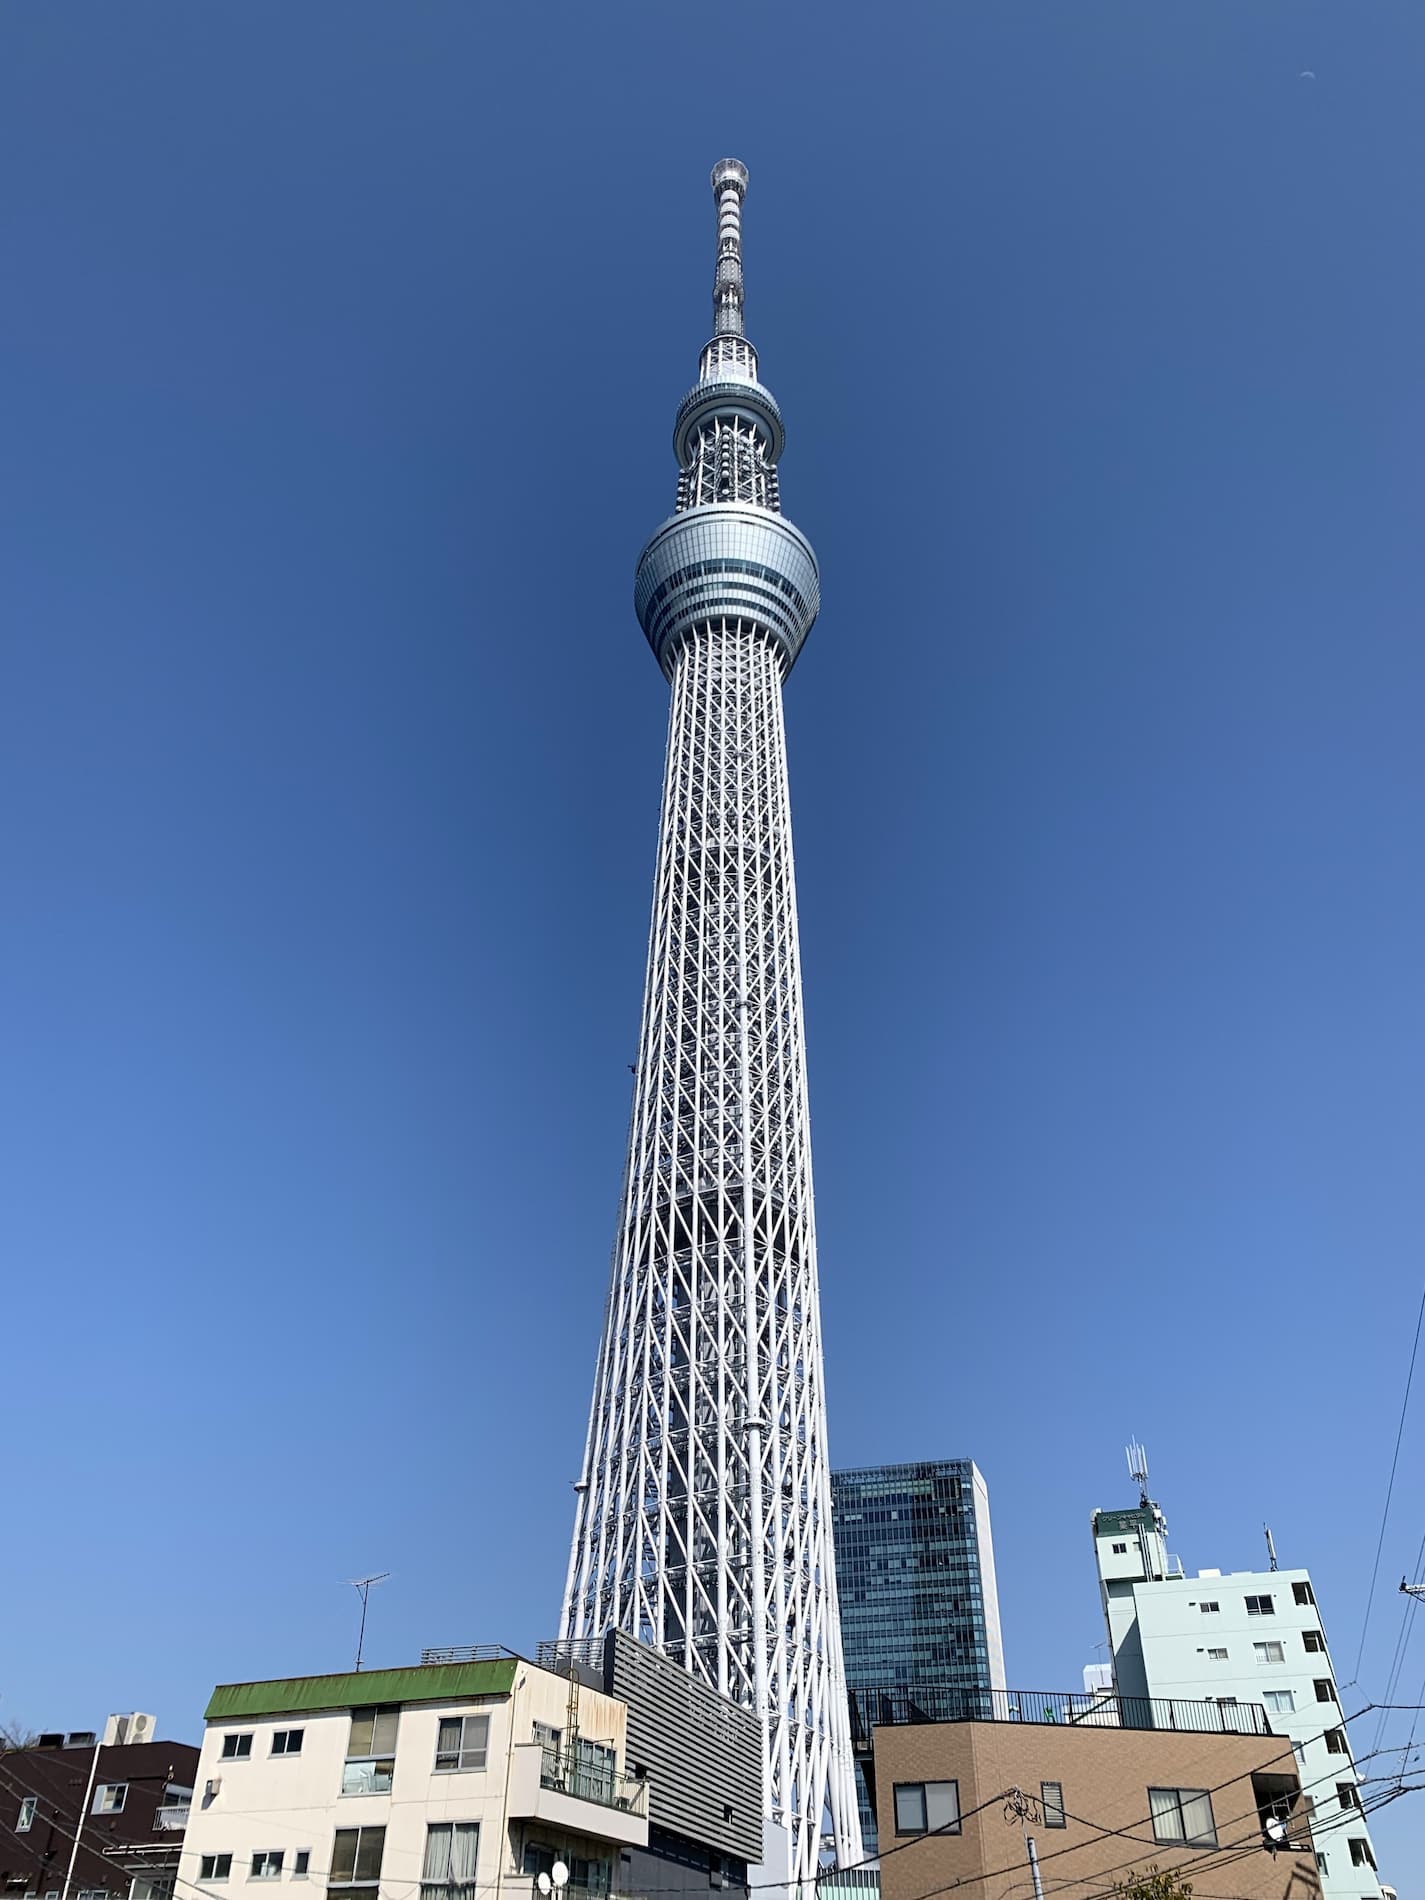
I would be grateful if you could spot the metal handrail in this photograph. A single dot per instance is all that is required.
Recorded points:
(886, 1708)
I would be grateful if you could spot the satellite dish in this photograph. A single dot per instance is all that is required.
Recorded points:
(1276, 1833)
(559, 1874)
(545, 1884)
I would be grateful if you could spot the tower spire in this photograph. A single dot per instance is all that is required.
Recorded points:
(729, 183)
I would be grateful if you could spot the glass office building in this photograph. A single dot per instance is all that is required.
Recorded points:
(915, 1572)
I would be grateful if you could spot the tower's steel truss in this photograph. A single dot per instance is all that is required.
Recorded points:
(704, 1513)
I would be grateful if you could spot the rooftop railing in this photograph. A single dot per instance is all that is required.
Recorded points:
(171, 1817)
(886, 1708)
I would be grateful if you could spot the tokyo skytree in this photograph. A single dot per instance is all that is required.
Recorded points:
(703, 1523)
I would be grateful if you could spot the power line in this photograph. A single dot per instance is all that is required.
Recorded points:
(1390, 1486)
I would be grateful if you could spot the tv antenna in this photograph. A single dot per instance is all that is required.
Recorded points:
(1138, 1469)
(1271, 1547)
(363, 1584)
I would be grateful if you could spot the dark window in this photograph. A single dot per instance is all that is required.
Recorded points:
(287, 1741)
(109, 1797)
(214, 1866)
(237, 1747)
(1336, 1743)
(1260, 1606)
(1051, 1799)
(1301, 1593)
(1210, 1609)
(1182, 1817)
(1346, 1794)
(356, 1861)
(927, 1807)
(1325, 1689)
(1361, 1855)
(1120, 1550)
(267, 1865)
(462, 1741)
(27, 1814)
(1314, 1641)
(301, 1861)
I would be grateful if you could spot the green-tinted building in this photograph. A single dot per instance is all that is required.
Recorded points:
(915, 1573)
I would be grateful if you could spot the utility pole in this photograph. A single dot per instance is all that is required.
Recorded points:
(1034, 1867)
(363, 1584)
(83, 1817)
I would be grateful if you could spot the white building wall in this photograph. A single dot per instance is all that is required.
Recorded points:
(291, 1802)
(994, 1641)
(1164, 1641)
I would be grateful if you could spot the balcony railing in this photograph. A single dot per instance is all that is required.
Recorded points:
(171, 1819)
(886, 1708)
(591, 1781)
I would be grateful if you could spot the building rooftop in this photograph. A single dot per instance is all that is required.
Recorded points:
(420, 1682)
(889, 1708)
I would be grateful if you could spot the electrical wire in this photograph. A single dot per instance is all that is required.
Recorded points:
(1390, 1486)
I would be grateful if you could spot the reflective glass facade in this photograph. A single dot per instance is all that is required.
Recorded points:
(916, 1579)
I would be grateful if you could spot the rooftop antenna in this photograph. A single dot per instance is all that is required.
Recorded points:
(1138, 1469)
(1271, 1547)
(363, 1584)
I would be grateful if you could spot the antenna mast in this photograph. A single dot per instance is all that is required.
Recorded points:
(1271, 1547)
(363, 1584)
(1138, 1469)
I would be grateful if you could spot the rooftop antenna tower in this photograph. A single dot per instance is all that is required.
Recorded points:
(363, 1584)
(1271, 1547)
(1138, 1469)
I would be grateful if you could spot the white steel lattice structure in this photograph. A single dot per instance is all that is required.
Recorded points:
(704, 1514)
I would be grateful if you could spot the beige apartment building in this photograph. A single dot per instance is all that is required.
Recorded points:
(1098, 1800)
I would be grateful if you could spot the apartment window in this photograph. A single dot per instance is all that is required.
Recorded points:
(27, 1814)
(1120, 1550)
(301, 1863)
(1301, 1593)
(1315, 1642)
(110, 1796)
(462, 1741)
(1279, 1701)
(370, 1752)
(448, 1871)
(1336, 1743)
(927, 1807)
(1325, 1689)
(1182, 1817)
(267, 1866)
(1361, 1855)
(215, 1866)
(1209, 1609)
(356, 1862)
(1051, 1799)
(287, 1741)
(1268, 1652)
(1217, 1655)
(1346, 1795)
(237, 1747)
(1260, 1606)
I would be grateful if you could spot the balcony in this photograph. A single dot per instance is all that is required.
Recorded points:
(582, 1799)
(171, 1819)
(887, 1708)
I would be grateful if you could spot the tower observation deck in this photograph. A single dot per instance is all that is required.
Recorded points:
(703, 1523)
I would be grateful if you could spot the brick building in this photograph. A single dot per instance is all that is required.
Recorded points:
(1198, 1802)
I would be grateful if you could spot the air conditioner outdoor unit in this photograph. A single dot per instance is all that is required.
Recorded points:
(213, 1786)
(133, 1727)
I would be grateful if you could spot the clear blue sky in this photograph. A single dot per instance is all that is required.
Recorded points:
(343, 343)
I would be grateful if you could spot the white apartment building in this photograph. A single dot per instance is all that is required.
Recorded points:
(438, 1782)
(1251, 1639)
